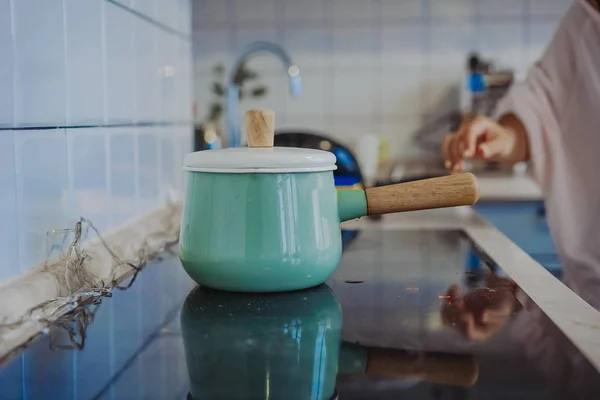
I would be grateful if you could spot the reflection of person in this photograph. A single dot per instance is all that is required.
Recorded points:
(552, 119)
(480, 313)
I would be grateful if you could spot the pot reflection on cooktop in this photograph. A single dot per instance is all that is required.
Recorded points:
(413, 314)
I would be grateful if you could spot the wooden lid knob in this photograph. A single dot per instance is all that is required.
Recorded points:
(260, 128)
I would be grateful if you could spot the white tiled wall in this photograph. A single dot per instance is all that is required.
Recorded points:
(95, 116)
(369, 66)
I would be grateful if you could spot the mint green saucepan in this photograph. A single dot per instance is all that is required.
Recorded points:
(264, 219)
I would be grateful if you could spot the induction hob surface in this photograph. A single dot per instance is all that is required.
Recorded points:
(408, 314)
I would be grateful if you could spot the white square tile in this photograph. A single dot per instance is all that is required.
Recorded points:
(146, 71)
(122, 175)
(504, 42)
(344, 10)
(9, 229)
(204, 70)
(88, 176)
(146, 7)
(184, 146)
(209, 12)
(40, 88)
(246, 36)
(305, 10)
(451, 43)
(441, 93)
(312, 100)
(403, 45)
(167, 12)
(6, 66)
(354, 93)
(541, 33)
(213, 46)
(42, 191)
(167, 57)
(556, 8)
(499, 36)
(355, 47)
(152, 314)
(303, 123)
(399, 133)
(168, 167)
(505, 8)
(85, 66)
(99, 340)
(119, 59)
(451, 10)
(147, 168)
(399, 10)
(348, 132)
(184, 16)
(127, 313)
(184, 82)
(254, 10)
(308, 47)
(402, 91)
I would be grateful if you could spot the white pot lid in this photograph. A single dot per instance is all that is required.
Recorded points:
(260, 160)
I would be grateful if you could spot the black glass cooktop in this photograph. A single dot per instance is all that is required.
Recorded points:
(408, 314)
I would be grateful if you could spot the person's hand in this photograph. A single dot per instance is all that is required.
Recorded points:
(485, 139)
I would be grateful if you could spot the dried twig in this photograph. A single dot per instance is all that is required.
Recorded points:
(74, 312)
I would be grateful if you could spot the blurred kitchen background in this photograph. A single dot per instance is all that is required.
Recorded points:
(397, 69)
(101, 99)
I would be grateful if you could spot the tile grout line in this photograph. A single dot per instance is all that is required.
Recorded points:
(67, 115)
(103, 31)
(151, 20)
(14, 59)
(141, 124)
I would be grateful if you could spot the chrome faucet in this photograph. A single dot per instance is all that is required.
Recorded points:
(293, 72)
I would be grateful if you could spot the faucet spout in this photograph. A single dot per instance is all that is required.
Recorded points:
(292, 71)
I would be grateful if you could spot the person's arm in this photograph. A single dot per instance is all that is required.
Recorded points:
(528, 118)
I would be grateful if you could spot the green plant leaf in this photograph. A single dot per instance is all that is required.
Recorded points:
(218, 89)
(238, 78)
(251, 74)
(218, 69)
(244, 74)
(259, 91)
(215, 112)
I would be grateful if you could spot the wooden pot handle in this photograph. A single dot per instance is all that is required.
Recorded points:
(447, 191)
(445, 369)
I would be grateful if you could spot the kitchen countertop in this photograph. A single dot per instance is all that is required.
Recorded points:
(421, 306)
(532, 277)
(502, 185)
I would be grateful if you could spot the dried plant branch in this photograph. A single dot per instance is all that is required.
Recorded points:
(74, 312)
